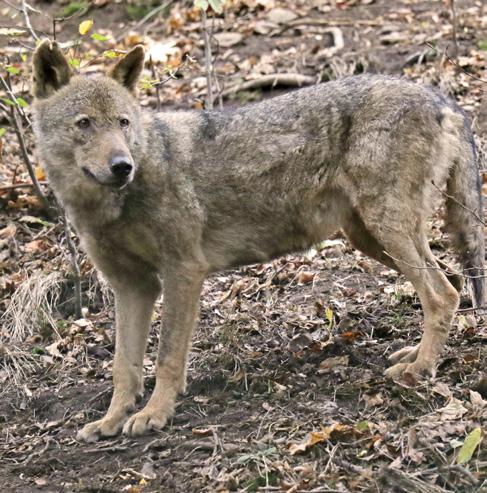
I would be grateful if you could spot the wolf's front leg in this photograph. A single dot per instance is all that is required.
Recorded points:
(134, 303)
(182, 290)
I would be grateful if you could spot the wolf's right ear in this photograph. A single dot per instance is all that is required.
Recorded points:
(51, 69)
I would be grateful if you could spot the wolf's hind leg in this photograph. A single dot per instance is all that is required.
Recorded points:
(401, 245)
(438, 297)
(361, 239)
(134, 303)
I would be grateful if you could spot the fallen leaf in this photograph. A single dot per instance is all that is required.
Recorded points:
(305, 277)
(336, 431)
(37, 246)
(453, 410)
(329, 363)
(372, 400)
(476, 400)
(8, 232)
(300, 342)
(34, 220)
(202, 432)
(469, 446)
(442, 389)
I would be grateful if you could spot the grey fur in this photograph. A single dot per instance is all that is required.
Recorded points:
(213, 190)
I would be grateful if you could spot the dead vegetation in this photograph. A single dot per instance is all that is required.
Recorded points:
(286, 389)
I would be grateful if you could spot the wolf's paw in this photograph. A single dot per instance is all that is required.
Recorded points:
(105, 427)
(405, 355)
(416, 370)
(144, 421)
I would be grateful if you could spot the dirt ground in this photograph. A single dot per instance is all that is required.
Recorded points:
(286, 389)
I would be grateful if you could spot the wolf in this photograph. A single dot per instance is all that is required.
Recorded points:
(161, 200)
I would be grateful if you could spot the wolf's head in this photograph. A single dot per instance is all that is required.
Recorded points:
(88, 128)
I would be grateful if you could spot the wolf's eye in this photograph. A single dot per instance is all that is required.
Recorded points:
(124, 123)
(83, 123)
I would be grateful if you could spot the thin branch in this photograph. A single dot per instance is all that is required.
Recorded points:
(76, 274)
(25, 7)
(8, 90)
(213, 71)
(451, 197)
(6, 188)
(448, 272)
(453, 62)
(472, 309)
(454, 29)
(5, 108)
(161, 82)
(324, 22)
(11, 5)
(19, 131)
(208, 61)
(154, 76)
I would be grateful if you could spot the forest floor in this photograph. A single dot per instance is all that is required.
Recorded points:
(286, 389)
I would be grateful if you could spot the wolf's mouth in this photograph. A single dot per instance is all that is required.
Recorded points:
(88, 173)
(119, 183)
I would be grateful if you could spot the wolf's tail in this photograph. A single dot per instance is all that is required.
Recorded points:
(465, 218)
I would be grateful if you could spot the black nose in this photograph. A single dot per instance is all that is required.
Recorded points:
(120, 166)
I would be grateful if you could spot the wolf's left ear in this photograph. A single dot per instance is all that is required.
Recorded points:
(127, 71)
(51, 69)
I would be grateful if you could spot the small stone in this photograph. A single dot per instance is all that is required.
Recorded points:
(281, 16)
(225, 40)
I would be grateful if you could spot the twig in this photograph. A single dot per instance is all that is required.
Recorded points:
(272, 80)
(25, 6)
(322, 490)
(474, 213)
(208, 61)
(432, 267)
(5, 108)
(453, 62)
(325, 22)
(161, 82)
(454, 29)
(111, 448)
(153, 71)
(74, 265)
(30, 168)
(213, 71)
(6, 188)
(472, 309)
(8, 90)
(11, 5)
(185, 65)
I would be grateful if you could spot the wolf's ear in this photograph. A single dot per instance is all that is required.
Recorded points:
(51, 69)
(127, 71)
